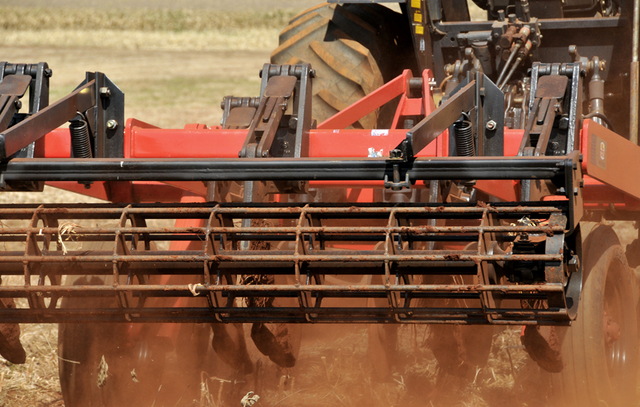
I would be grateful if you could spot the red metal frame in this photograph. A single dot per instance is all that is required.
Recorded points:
(602, 187)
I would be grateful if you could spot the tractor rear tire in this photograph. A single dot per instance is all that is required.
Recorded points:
(354, 49)
(600, 349)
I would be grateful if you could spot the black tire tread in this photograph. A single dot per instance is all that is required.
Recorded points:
(351, 47)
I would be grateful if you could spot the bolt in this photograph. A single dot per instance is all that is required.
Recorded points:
(105, 92)
(491, 125)
(48, 73)
(112, 124)
(603, 65)
(265, 153)
(18, 104)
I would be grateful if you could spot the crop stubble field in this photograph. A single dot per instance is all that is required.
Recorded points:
(175, 60)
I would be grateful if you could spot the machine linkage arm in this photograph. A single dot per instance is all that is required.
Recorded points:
(478, 98)
(97, 99)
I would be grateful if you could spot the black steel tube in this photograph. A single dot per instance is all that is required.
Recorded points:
(300, 169)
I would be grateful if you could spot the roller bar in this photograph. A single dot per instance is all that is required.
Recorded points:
(402, 263)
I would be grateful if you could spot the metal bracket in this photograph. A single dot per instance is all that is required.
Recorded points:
(573, 189)
(238, 111)
(280, 124)
(556, 91)
(12, 88)
(282, 120)
(99, 99)
(479, 94)
(396, 184)
(107, 113)
(16, 79)
(38, 75)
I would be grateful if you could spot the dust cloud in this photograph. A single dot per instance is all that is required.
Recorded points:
(335, 367)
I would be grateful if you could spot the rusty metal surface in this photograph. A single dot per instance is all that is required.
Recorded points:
(15, 85)
(51, 117)
(306, 243)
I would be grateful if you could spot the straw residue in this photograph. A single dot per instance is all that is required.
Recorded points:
(66, 230)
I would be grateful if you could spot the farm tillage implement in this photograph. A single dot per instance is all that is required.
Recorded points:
(479, 203)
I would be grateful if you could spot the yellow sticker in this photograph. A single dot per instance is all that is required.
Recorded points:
(417, 17)
(416, 3)
(419, 29)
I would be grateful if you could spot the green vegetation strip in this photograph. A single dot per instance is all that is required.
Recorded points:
(40, 19)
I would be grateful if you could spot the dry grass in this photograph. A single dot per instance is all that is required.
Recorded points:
(143, 19)
(221, 5)
(36, 382)
(107, 39)
(137, 29)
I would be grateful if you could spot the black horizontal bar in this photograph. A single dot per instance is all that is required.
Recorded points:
(545, 24)
(296, 169)
(285, 315)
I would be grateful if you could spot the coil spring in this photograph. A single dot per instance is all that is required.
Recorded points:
(80, 142)
(465, 144)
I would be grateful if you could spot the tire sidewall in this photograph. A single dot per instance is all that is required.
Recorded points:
(604, 262)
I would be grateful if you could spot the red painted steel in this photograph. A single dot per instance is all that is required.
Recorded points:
(375, 100)
(331, 139)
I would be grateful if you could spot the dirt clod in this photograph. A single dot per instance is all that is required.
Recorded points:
(10, 346)
(544, 350)
(276, 346)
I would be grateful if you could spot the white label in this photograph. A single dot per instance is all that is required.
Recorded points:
(379, 132)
